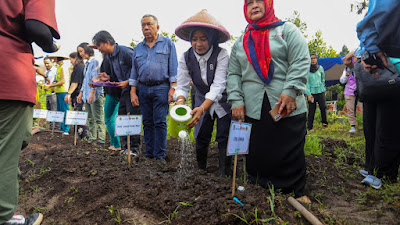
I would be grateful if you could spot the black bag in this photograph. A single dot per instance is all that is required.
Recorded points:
(372, 89)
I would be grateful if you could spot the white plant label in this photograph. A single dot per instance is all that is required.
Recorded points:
(40, 113)
(76, 118)
(55, 116)
(239, 138)
(128, 125)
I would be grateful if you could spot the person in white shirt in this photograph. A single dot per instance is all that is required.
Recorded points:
(205, 63)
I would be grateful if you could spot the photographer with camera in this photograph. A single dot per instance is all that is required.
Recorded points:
(379, 39)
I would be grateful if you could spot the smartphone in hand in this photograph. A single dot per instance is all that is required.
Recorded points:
(275, 115)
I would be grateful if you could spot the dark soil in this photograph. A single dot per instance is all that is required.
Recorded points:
(79, 184)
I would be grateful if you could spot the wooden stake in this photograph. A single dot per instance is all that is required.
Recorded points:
(129, 149)
(234, 176)
(52, 130)
(76, 134)
(309, 216)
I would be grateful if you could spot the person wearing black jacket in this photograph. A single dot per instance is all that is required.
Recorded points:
(111, 105)
(120, 58)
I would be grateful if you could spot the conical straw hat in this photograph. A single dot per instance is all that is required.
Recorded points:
(202, 19)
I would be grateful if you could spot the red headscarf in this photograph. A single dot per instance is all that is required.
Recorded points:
(256, 40)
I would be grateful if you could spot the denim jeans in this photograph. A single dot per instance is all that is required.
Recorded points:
(154, 108)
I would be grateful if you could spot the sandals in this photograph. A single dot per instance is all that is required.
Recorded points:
(112, 148)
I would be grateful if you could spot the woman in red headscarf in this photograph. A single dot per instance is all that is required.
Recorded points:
(268, 68)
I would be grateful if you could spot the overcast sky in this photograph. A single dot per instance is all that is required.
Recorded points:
(79, 20)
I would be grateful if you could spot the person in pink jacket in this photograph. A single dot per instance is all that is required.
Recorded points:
(351, 100)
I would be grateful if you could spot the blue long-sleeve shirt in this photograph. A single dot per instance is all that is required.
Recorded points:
(90, 71)
(155, 64)
(371, 26)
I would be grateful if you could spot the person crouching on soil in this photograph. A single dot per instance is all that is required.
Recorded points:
(268, 67)
(205, 64)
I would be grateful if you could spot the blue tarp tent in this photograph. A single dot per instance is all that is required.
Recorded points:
(333, 69)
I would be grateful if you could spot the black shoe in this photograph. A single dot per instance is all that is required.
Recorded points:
(161, 160)
(125, 152)
(225, 163)
(201, 156)
(100, 145)
(34, 219)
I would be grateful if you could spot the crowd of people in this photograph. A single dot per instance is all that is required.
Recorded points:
(269, 67)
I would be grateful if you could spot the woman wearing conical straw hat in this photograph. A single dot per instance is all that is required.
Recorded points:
(269, 67)
(205, 64)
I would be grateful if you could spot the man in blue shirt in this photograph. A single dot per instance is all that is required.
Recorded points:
(154, 69)
(121, 66)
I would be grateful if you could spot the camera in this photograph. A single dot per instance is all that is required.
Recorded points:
(371, 59)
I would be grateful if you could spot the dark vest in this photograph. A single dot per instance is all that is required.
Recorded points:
(195, 73)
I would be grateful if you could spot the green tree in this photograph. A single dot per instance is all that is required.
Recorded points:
(295, 19)
(359, 6)
(344, 51)
(318, 46)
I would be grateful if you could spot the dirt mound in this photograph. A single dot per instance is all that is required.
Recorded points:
(85, 185)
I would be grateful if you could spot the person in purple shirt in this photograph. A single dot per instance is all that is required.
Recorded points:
(349, 79)
(154, 70)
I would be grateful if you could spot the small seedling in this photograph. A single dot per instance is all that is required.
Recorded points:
(115, 212)
(74, 190)
(31, 162)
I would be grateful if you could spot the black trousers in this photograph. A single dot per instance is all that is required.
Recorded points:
(382, 138)
(125, 107)
(312, 106)
(83, 130)
(276, 151)
(204, 136)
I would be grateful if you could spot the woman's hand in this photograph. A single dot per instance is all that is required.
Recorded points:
(79, 98)
(310, 98)
(238, 113)
(47, 87)
(91, 98)
(180, 100)
(197, 113)
(288, 102)
(67, 99)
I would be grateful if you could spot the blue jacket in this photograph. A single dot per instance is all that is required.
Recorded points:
(121, 63)
(378, 31)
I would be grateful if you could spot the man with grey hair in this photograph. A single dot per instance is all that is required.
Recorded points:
(154, 70)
